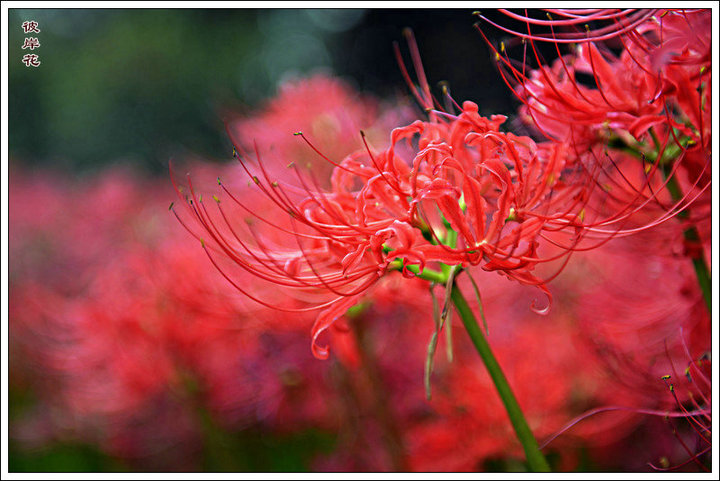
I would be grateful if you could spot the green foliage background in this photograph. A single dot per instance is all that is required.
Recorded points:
(143, 86)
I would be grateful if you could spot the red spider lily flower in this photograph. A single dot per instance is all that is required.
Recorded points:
(467, 195)
(660, 77)
(661, 67)
(646, 110)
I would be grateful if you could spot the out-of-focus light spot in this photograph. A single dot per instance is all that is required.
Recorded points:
(295, 51)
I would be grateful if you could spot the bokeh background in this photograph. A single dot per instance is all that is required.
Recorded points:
(141, 86)
(97, 265)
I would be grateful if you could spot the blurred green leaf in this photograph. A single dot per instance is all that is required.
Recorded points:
(61, 458)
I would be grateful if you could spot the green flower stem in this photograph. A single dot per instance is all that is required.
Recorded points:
(691, 233)
(672, 151)
(535, 459)
(693, 238)
(428, 274)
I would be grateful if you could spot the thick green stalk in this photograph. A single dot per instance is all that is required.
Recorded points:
(701, 271)
(671, 151)
(535, 459)
(692, 238)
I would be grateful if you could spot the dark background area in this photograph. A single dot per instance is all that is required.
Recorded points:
(141, 86)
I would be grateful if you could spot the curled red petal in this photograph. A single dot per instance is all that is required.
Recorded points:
(326, 319)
